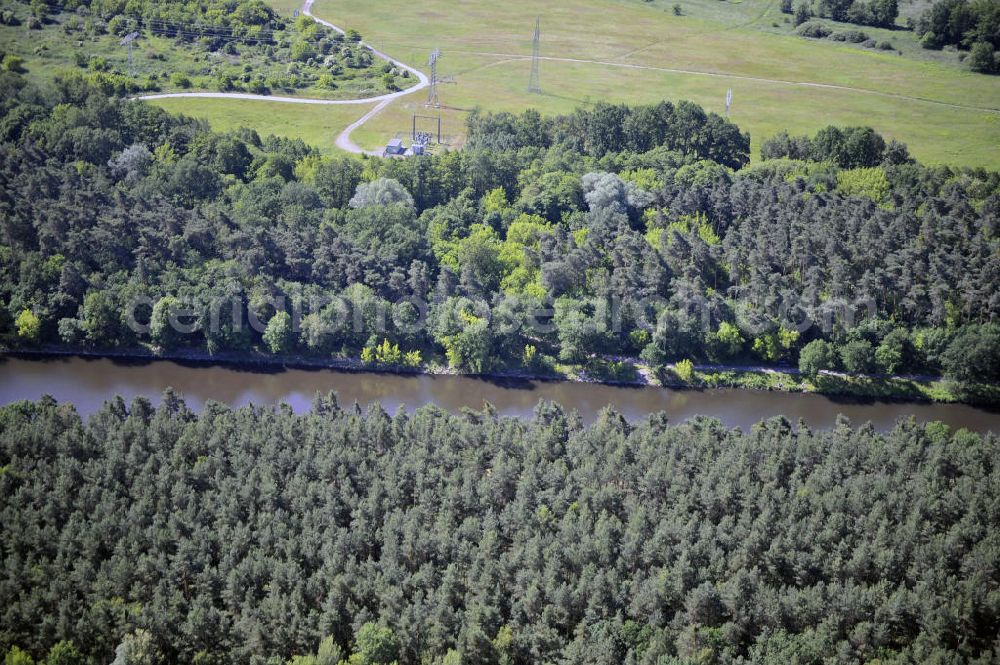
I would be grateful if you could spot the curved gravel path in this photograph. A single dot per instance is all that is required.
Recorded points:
(343, 140)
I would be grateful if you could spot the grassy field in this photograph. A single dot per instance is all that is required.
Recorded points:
(640, 52)
(627, 48)
(316, 125)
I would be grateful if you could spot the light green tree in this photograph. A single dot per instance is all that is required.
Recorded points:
(329, 652)
(728, 340)
(15, 656)
(64, 653)
(160, 328)
(815, 356)
(136, 649)
(278, 334)
(684, 369)
(29, 326)
(376, 645)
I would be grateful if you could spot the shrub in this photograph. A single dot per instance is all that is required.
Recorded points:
(8, 18)
(13, 63)
(258, 87)
(225, 82)
(812, 30)
(302, 51)
(612, 370)
(684, 369)
(981, 58)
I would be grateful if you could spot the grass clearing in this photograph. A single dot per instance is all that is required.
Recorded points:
(935, 134)
(315, 124)
(486, 47)
(625, 51)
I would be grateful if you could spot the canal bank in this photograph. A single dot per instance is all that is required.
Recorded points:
(89, 381)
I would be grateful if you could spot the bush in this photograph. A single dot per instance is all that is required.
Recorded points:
(8, 18)
(611, 370)
(982, 58)
(13, 63)
(813, 30)
(258, 87)
(225, 82)
(684, 370)
(302, 51)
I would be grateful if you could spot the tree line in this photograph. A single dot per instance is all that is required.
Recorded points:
(970, 25)
(879, 13)
(536, 245)
(149, 536)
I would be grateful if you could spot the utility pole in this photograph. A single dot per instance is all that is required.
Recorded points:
(533, 84)
(729, 100)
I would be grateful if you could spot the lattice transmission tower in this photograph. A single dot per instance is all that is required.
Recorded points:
(432, 94)
(128, 40)
(533, 84)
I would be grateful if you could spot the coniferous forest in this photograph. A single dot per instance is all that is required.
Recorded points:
(156, 535)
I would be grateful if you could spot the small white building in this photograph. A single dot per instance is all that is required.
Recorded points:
(394, 147)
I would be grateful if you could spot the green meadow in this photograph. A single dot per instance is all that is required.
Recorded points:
(317, 125)
(633, 51)
(637, 52)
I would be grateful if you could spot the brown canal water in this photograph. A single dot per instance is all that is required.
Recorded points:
(87, 383)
